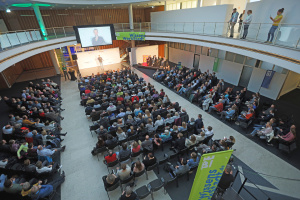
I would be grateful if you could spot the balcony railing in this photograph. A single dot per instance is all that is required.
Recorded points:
(287, 35)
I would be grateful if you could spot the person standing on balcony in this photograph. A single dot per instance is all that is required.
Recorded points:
(274, 27)
(233, 20)
(241, 17)
(247, 22)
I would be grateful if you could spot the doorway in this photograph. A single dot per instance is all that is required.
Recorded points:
(245, 77)
(196, 61)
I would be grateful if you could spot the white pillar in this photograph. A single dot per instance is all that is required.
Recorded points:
(54, 61)
(130, 16)
(199, 3)
(165, 7)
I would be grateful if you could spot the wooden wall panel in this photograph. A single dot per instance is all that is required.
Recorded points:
(161, 50)
(39, 61)
(3, 84)
(73, 17)
(12, 73)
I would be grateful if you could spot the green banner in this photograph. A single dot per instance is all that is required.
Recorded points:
(208, 174)
(216, 65)
(130, 36)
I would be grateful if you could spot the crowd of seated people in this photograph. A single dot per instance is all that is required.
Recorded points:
(205, 90)
(127, 111)
(31, 138)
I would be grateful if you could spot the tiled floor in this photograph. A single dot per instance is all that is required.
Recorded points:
(84, 172)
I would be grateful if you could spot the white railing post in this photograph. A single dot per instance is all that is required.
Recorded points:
(54, 32)
(203, 27)
(258, 31)
(64, 31)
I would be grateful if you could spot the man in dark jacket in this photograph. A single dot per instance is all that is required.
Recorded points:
(198, 124)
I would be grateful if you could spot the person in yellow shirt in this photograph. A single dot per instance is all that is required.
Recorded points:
(274, 27)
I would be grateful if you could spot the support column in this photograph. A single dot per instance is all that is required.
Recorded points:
(165, 7)
(130, 17)
(167, 51)
(40, 19)
(54, 61)
(199, 3)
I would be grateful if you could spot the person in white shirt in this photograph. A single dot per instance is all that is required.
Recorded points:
(247, 22)
(208, 132)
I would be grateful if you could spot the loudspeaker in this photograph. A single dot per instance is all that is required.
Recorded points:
(74, 57)
(129, 49)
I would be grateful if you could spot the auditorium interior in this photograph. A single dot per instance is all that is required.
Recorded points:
(149, 99)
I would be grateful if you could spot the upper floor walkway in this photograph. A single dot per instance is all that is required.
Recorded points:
(283, 51)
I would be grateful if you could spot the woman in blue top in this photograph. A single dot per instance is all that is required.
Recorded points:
(194, 161)
(165, 135)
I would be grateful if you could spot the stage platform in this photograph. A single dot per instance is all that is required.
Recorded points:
(95, 70)
(143, 65)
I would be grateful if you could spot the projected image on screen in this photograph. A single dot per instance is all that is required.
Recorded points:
(95, 36)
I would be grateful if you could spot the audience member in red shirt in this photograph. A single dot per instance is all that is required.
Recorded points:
(162, 93)
(119, 98)
(111, 157)
(135, 147)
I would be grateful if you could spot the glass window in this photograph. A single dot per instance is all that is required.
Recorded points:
(187, 47)
(192, 49)
(266, 66)
(204, 51)
(229, 56)
(194, 4)
(198, 49)
(189, 4)
(178, 6)
(239, 59)
(182, 46)
(250, 61)
(213, 52)
(183, 5)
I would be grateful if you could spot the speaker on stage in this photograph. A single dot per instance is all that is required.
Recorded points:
(129, 49)
(74, 57)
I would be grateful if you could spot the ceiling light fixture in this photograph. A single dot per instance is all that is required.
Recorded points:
(8, 10)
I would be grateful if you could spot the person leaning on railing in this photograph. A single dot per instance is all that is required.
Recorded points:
(274, 27)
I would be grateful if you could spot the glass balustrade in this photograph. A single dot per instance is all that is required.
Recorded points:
(286, 35)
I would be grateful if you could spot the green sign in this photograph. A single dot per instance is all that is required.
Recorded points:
(130, 36)
(209, 173)
(216, 65)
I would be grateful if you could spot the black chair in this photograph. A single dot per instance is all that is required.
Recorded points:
(111, 164)
(172, 155)
(182, 152)
(143, 192)
(124, 159)
(160, 128)
(181, 175)
(156, 185)
(133, 138)
(111, 188)
(138, 174)
(111, 147)
(150, 168)
(163, 160)
(135, 155)
(100, 150)
(207, 139)
(93, 128)
(130, 178)
(168, 180)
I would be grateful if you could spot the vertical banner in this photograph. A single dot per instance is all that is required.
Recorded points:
(145, 57)
(268, 78)
(209, 173)
(216, 65)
